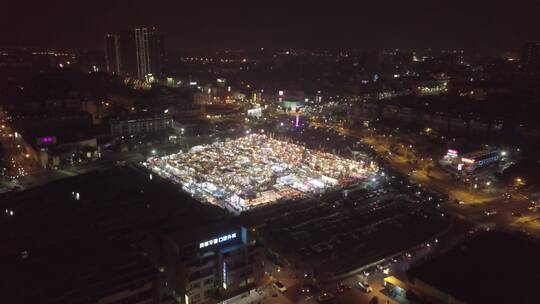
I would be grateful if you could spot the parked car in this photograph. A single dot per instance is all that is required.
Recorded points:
(341, 288)
(364, 286)
(490, 212)
(343, 285)
(325, 297)
(279, 286)
(307, 288)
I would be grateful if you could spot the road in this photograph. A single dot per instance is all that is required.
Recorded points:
(511, 213)
(18, 160)
(43, 177)
(294, 281)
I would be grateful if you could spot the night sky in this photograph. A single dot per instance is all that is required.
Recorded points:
(474, 24)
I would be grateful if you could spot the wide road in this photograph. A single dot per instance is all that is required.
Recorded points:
(513, 213)
(18, 161)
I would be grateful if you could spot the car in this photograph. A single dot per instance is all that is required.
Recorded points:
(307, 288)
(384, 267)
(341, 288)
(325, 297)
(369, 271)
(490, 212)
(364, 286)
(344, 286)
(279, 286)
(395, 259)
(516, 214)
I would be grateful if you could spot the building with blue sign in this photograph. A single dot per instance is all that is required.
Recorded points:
(213, 262)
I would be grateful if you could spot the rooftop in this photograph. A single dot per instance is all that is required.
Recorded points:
(494, 267)
(82, 272)
(79, 236)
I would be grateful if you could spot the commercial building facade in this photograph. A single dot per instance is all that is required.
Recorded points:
(470, 162)
(143, 124)
(211, 263)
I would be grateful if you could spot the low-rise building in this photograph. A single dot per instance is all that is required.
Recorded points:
(472, 273)
(78, 272)
(140, 124)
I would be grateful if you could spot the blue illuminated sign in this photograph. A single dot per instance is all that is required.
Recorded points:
(218, 240)
(224, 275)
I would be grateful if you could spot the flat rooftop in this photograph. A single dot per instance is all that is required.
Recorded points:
(78, 237)
(336, 235)
(110, 201)
(494, 267)
(80, 271)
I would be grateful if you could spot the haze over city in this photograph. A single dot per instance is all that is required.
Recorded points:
(203, 152)
(482, 25)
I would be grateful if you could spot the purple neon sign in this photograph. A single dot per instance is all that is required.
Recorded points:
(47, 139)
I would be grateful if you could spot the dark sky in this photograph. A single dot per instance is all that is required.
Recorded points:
(319, 24)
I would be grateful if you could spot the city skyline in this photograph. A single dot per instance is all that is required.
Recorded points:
(234, 152)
